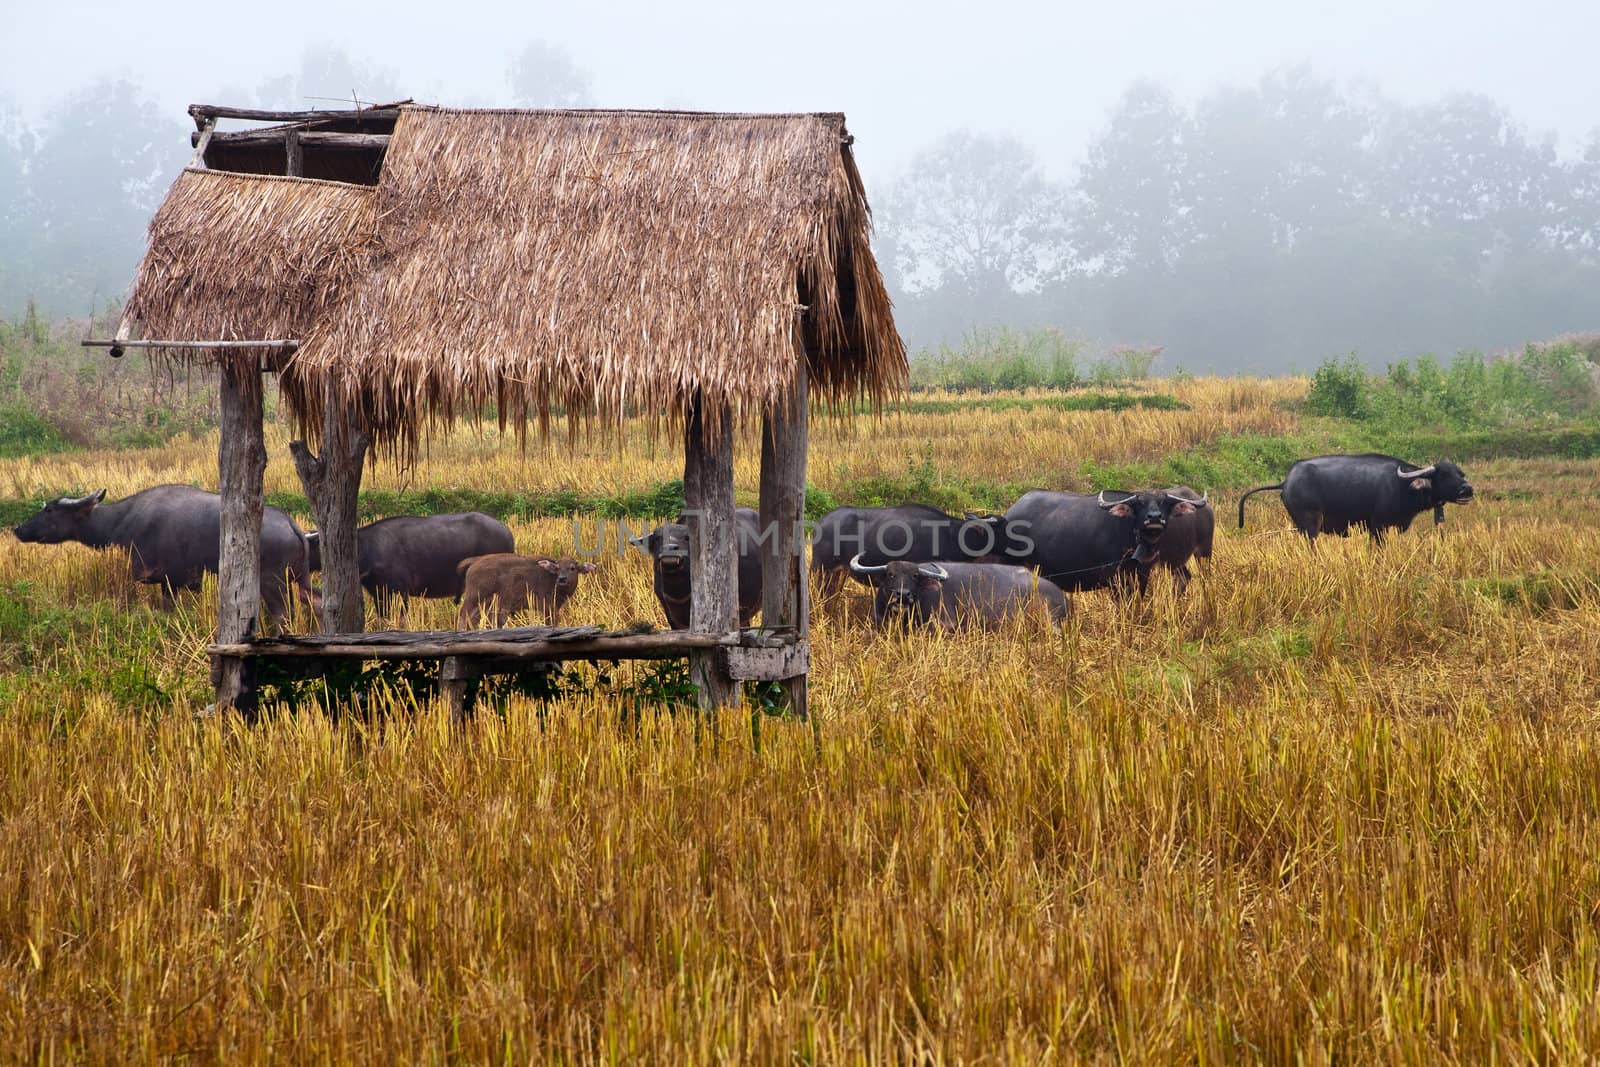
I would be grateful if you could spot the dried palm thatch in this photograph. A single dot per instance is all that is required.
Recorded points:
(245, 257)
(598, 264)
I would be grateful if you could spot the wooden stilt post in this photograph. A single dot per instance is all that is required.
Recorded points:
(332, 483)
(708, 496)
(784, 591)
(241, 461)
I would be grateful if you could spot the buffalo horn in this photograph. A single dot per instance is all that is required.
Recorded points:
(859, 568)
(1189, 500)
(934, 571)
(79, 501)
(1423, 473)
(1109, 504)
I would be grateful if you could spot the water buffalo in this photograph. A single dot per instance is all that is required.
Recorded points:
(668, 546)
(1189, 535)
(509, 583)
(915, 533)
(1330, 494)
(953, 595)
(419, 555)
(1113, 538)
(172, 534)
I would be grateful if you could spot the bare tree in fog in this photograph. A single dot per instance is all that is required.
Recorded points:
(545, 75)
(974, 213)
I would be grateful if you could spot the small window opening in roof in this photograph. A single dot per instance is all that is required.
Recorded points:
(340, 146)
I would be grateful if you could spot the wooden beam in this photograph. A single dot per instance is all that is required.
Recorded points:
(768, 664)
(119, 342)
(202, 141)
(241, 461)
(662, 645)
(785, 600)
(214, 111)
(352, 142)
(714, 564)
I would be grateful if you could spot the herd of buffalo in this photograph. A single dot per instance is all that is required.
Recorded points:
(925, 567)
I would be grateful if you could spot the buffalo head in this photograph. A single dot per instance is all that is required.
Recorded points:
(667, 544)
(1150, 512)
(60, 520)
(908, 593)
(1442, 483)
(565, 572)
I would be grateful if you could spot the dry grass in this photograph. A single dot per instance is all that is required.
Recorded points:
(1332, 806)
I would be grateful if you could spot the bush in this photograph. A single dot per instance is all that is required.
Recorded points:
(24, 432)
(1339, 388)
(1003, 358)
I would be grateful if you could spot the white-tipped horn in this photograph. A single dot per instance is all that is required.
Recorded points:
(934, 571)
(860, 568)
(1204, 498)
(1109, 504)
(1423, 473)
(79, 501)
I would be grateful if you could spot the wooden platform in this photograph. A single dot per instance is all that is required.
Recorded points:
(749, 655)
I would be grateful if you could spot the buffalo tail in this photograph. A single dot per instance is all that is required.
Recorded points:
(1253, 492)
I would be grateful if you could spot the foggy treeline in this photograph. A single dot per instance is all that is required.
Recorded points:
(1261, 228)
(1258, 228)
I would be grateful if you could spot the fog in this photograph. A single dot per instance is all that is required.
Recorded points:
(90, 93)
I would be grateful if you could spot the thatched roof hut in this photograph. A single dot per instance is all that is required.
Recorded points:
(604, 264)
(400, 267)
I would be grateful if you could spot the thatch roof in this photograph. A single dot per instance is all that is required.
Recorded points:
(603, 263)
(246, 257)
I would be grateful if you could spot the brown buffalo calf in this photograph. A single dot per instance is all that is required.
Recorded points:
(509, 583)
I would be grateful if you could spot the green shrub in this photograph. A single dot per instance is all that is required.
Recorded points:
(1339, 388)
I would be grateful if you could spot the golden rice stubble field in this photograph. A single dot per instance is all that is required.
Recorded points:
(1333, 804)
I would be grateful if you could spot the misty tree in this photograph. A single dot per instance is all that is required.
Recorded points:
(1132, 208)
(543, 74)
(975, 213)
(96, 172)
(1466, 165)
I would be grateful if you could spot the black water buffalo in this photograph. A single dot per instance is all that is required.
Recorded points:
(172, 534)
(914, 533)
(953, 596)
(1115, 537)
(1330, 494)
(668, 546)
(1189, 536)
(417, 555)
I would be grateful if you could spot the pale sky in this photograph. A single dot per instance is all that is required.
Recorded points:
(903, 73)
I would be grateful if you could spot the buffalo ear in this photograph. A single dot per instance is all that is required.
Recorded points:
(1183, 507)
(97, 497)
(548, 564)
(587, 568)
(1121, 511)
(1421, 483)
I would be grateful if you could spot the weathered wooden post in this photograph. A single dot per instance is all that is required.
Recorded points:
(708, 499)
(241, 462)
(784, 588)
(332, 483)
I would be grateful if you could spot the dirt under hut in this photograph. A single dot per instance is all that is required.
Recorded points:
(402, 267)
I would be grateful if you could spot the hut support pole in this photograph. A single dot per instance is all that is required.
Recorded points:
(241, 461)
(784, 590)
(708, 496)
(332, 482)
